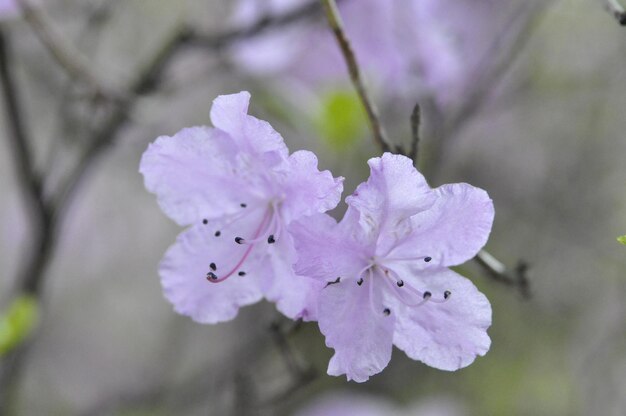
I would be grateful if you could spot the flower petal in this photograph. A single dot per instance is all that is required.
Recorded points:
(324, 252)
(252, 136)
(309, 191)
(200, 250)
(187, 177)
(394, 191)
(295, 296)
(352, 319)
(454, 229)
(448, 335)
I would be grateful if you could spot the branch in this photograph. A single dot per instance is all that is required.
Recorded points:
(416, 121)
(68, 58)
(617, 10)
(335, 23)
(498, 271)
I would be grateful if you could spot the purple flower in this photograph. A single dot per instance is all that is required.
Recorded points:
(237, 188)
(8, 9)
(385, 266)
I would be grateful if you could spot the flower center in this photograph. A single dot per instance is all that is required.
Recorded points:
(269, 230)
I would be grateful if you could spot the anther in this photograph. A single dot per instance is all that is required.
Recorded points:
(241, 273)
(360, 281)
(271, 239)
(446, 294)
(427, 295)
(427, 259)
(239, 240)
(211, 275)
(218, 233)
(400, 283)
(387, 311)
(205, 221)
(242, 205)
(213, 266)
(337, 280)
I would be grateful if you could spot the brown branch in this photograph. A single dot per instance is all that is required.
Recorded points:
(335, 23)
(617, 10)
(67, 57)
(416, 121)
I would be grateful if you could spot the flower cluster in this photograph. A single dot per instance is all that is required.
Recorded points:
(257, 227)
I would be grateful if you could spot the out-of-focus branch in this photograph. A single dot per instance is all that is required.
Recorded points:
(416, 121)
(335, 23)
(497, 271)
(617, 10)
(67, 57)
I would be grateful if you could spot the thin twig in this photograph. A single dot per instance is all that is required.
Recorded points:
(416, 121)
(617, 10)
(518, 277)
(67, 57)
(335, 23)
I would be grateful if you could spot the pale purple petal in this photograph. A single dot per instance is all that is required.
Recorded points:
(454, 229)
(324, 252)
(394, 191)
(307, 190)
(447, 335)
(295, 296)
(352, 319)
(253, 137)
(187, 177)
(212, 248)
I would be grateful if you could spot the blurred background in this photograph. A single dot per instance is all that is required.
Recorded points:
(523, 99)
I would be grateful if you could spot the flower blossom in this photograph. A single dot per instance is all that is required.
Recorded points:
(237, 188)
(385, 267)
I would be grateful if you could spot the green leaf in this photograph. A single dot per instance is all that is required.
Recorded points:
(622, 239)
(341, 121)
(18, 322)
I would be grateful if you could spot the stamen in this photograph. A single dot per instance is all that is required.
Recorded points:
(242, 273)
(270, 239)
(211, 276)
(218, 233)
(239, 240)
(360, 281)
(337, 280)
(400, 283)
(242, 205)
(427, 295)
(387, 311)
(447, 294)
(213, 266)
(424, 297)
(205, 221)
(427, 259)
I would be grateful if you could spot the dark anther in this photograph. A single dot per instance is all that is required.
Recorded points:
(218, 233)
(242, 205)
(213, 266)
(238, 240)
(241, 273)
(205, 221)
(270, 239)
(427, 295)
(337, 280)
(211, 275)
(446, 294)
(387, 311)
(427, 259)
(359, 282)
(400, 283)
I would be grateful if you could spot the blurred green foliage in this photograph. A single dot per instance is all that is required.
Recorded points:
(622, 239)
(341, 120)
(17, 323)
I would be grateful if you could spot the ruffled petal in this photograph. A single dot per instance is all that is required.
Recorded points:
(307, 190)
(394, 191)
(353, 320)
(212, 248)
(190, 181)
(447, 335)
(254, 137)
(295, 296)
(454, 229)
(324, 252)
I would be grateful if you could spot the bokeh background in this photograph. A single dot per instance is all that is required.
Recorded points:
(546, 140)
